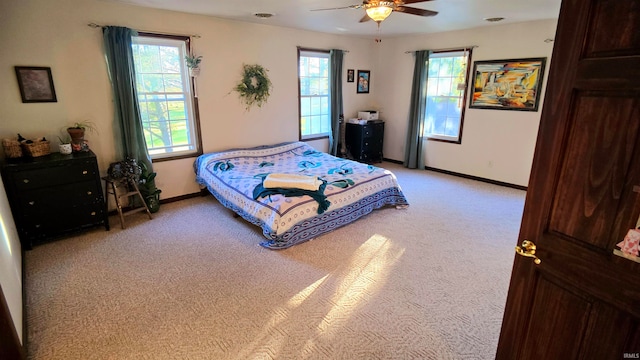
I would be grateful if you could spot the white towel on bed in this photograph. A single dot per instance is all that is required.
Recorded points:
(291, 181)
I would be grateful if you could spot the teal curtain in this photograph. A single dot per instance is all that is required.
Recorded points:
(129, 134)
(127, 123)
(413, 157)
(335, 95)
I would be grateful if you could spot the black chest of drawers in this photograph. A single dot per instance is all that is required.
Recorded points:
(364, 142)
(53, 195)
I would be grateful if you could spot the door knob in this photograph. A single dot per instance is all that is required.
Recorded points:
(528, 249)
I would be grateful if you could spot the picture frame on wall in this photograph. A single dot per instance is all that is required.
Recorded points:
(511, 84)
(364, 79)
(36, 84)
(350, 75)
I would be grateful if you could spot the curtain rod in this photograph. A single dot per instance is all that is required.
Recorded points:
(449, 49)
(95, 26)
(311, 49)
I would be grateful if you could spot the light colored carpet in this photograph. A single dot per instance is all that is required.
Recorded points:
(428, 282)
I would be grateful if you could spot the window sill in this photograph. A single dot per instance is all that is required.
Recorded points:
(177, 157)
(451, 141)
(319, 137)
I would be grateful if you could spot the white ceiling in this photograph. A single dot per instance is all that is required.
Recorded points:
(453, 14)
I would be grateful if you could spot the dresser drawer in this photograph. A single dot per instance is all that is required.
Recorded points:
(44, 200)
(374, 130)
(367, 131)
(364, 156)
(55, 175)
(370, 144)
(57, 222)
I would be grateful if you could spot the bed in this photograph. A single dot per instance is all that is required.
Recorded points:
(348, 190)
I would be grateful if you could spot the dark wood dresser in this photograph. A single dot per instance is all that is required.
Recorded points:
(364, 142)
(53, 195)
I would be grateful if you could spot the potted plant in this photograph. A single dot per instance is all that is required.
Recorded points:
(148, 189)
(77, 131)
(127, 169)
(145, 180)
(65, 145)
(193, 63)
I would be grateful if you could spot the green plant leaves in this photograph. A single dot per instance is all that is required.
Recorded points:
(255, 86)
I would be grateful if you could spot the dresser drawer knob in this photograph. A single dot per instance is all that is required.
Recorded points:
(37, 226)
(89, 193)
(84, 172)
(93, 213)
(26, 181)
(32, 202)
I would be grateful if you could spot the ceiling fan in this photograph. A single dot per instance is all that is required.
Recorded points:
(379, 10)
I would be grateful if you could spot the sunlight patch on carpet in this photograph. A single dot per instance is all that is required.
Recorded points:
(300, 297)
(367, 273)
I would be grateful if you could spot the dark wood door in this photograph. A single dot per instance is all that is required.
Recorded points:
(582, 301)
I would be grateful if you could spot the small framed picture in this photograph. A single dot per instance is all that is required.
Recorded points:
(36, 84)
(364, 78)
(350, 75)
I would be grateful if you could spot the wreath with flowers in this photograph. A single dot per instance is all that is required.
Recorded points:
(255, 85)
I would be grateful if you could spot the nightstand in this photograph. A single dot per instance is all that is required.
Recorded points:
(364, 142)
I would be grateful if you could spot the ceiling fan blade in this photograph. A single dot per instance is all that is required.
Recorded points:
(365, 19)
(340, 8)
(416, 11)
(414, 1)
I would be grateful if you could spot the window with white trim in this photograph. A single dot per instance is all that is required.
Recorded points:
(446, 95)
(165, 97)
(315, 106)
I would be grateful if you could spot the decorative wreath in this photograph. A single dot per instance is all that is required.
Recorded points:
(255, 85)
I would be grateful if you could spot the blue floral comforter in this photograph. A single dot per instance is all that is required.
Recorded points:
(352, 190)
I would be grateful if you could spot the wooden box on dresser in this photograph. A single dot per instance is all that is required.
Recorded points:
(364, 142)
(53, 195)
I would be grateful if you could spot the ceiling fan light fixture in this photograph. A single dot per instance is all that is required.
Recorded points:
(379, 13)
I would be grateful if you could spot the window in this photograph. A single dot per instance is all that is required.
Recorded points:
(315, 108)
(164, 90)
(446, 95)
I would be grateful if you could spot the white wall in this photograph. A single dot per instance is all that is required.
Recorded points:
(10, 262)
(496, 144)
(55, 34)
